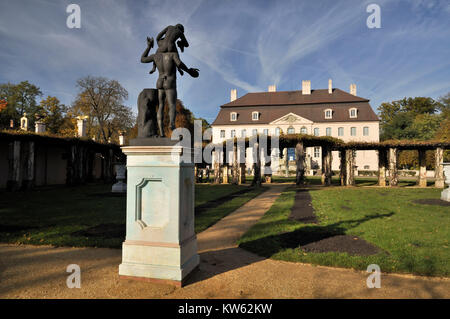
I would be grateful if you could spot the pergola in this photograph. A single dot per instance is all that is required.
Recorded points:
(79, 152)
(387, 154)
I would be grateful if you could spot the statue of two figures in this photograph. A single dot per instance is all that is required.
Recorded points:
(167, 61)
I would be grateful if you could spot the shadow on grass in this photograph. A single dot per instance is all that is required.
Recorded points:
(307, 235)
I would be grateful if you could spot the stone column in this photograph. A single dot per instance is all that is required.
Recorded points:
(29, 157)
(268, 168)
(242, 173)
(286, 162)
(225, 173)
(382, 164)
(71, 165)
(300, 162)
(256, 166)
(160, 243)
(393, 174)
(216, 156)
(235, 166)
(422, 169)
(13, 183)
(326, 166)
(349, 163)
(439, 169)
(342, 167)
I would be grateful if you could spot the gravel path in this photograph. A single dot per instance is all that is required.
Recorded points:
(226, 271)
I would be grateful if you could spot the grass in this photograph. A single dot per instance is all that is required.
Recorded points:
(53, 216)
(414, 238)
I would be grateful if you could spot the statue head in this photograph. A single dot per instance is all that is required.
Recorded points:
(180, 27)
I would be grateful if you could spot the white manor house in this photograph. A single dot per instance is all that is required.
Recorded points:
(322, 112)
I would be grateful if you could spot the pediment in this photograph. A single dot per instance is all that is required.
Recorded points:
(291, 118)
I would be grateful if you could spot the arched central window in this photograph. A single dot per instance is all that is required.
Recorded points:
(290, 130)
(304, 130)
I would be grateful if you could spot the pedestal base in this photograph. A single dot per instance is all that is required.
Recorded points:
(445, 194)
(159, 261)
(160, 244)
(119, 187)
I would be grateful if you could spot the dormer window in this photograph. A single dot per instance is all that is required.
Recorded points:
(255, 116)
(353, 113)
(328, 114)
(233, 116)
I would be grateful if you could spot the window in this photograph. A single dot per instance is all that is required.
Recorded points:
(316, 151)
(243, 133)
(366, 131)
(277, 131)
(353, 113)
(290, 130)
(233, 116)
(328, 114)
(328, 131)
(255, 132)
(341, 131)
(304, 130)
(353, 131)
(222, 133)
(316, 131)
(255, 116)
(233, 133)
(266, 131)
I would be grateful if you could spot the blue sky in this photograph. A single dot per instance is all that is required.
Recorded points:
(240, 44)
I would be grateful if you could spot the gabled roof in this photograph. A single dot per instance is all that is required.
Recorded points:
(294, 98)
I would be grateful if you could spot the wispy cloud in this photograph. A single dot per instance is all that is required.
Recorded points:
(246, 44)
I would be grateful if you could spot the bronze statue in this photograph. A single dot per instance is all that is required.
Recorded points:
(167, 61)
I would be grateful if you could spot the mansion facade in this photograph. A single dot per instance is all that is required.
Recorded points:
(322, 112)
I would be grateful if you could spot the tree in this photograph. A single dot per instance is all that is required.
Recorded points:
(403, 119)
(102, 100)
(53, 113)
(20, 98)
(3, 105)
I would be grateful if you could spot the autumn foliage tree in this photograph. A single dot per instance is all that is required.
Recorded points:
(102, 100)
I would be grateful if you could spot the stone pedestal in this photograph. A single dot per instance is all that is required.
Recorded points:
(120, 186)
(160, 241)
(445, 194)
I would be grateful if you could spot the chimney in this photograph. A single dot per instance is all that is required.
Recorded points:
(233, 95)
(272, 88)
(330, 86)
(81, 124)
(353, 89)
(306, 87)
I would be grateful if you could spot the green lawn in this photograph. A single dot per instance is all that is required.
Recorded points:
(54, 215)
(414, 238)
